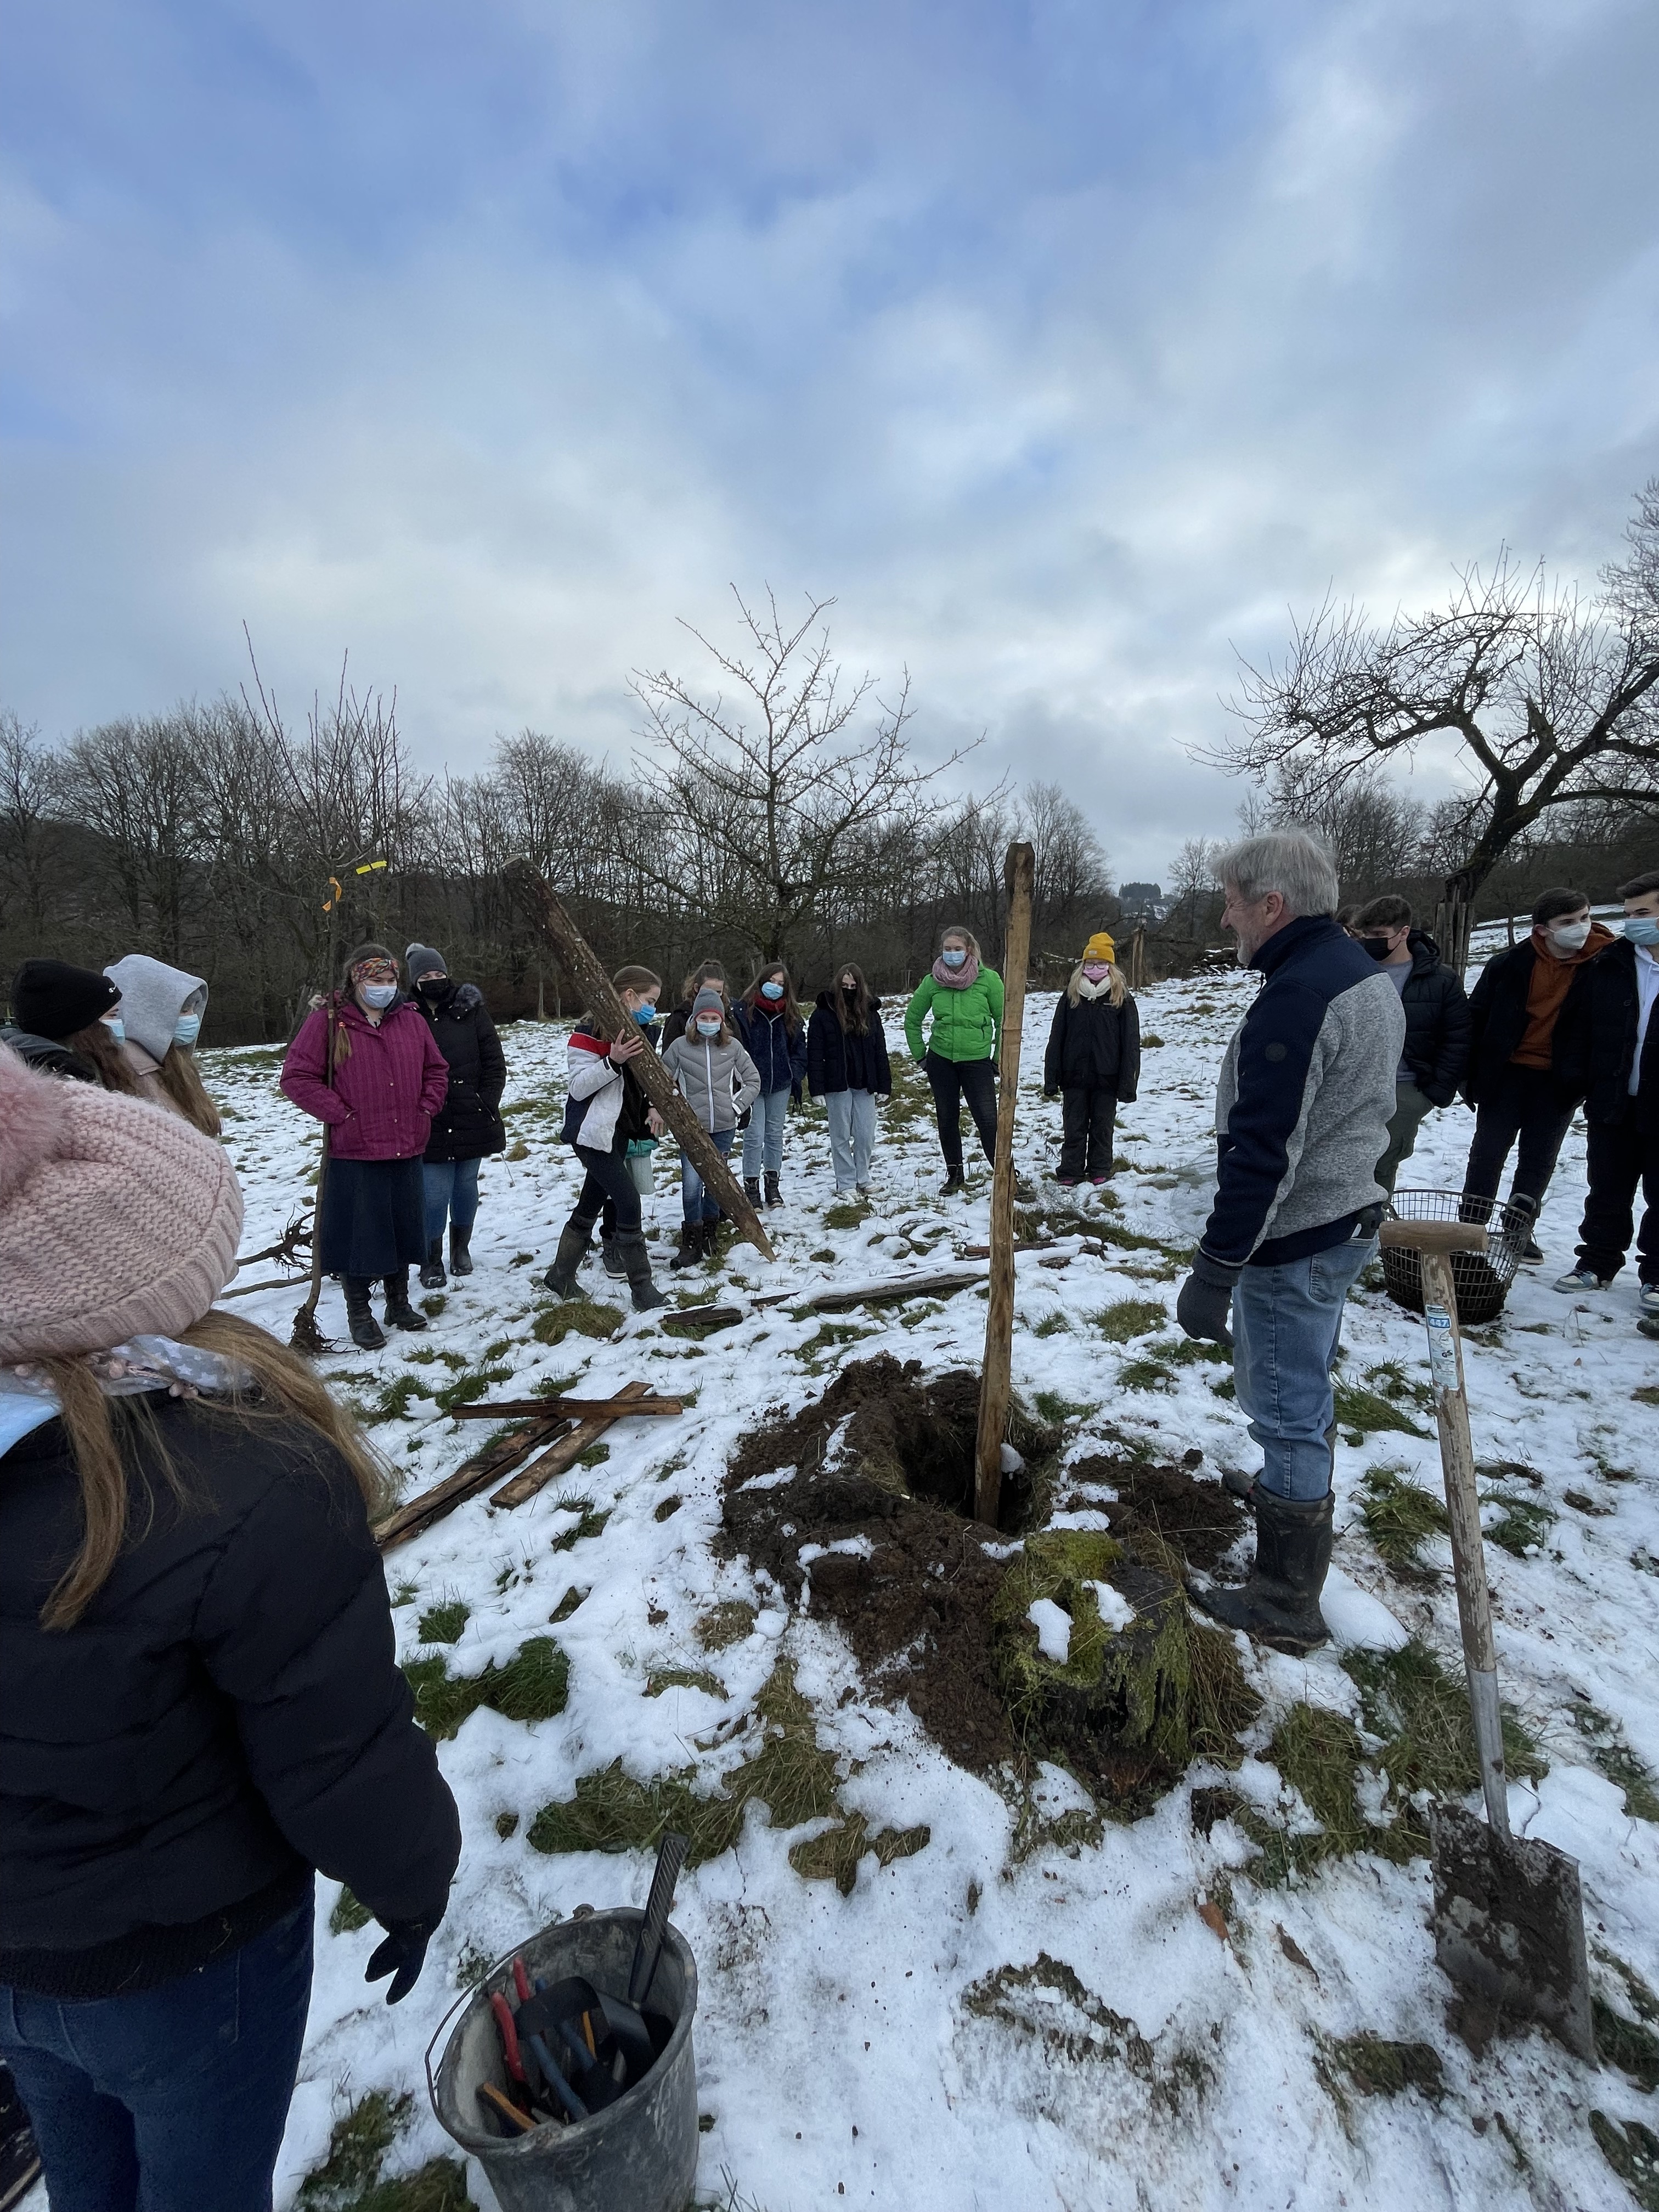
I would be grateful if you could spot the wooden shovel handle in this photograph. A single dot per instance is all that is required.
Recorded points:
(1434, 1236)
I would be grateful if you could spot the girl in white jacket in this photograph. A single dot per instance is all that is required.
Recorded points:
(719, 1082)
(605, 1107)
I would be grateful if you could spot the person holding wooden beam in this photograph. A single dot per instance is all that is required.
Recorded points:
(604, 1110)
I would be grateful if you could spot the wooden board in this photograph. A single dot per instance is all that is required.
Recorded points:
(996, 1382)
(510, 1409)
(560, 1458)
(473, 1475)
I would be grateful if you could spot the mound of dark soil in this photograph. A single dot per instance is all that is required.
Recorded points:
(1200, 1520)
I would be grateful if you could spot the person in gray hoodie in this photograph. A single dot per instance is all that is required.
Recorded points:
(162, 1009)
(719, 1082)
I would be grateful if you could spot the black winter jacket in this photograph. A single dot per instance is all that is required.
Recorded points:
(1437, 1021)
(47, 1056)
(1596, 1042)
(468, 1125)
(225, 1714)
(1497, 1019)
(779, 1053)
(838, 1059)
(1094, 1045)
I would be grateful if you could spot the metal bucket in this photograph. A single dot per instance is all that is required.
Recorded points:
(639, 2154)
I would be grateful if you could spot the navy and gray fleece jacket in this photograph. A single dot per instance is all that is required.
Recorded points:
(1304, 1098)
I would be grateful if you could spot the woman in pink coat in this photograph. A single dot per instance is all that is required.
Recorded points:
(387, 1079)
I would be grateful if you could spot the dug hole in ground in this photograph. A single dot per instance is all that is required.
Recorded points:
(1011, 1883)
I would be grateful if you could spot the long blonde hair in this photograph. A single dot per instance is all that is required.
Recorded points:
(180, 1076)
(107, 1435)
(1116, 995)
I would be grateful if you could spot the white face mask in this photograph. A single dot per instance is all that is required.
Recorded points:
(379, 995)
(1567, 936)
(117, 1027)
(708, 1028)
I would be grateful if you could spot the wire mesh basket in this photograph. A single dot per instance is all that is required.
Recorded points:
(1481, 1281)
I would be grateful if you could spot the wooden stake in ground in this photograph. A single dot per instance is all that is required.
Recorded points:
(594, 987)
(996, 1385)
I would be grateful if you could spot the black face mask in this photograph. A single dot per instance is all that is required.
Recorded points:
(431, 987)
(1378, 947)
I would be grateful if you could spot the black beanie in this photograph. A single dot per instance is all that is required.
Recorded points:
(50, 998)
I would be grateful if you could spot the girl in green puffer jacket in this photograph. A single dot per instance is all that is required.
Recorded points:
(960, 1057)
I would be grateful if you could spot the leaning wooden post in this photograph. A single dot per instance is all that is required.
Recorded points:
(996, 1383)
(580, 965)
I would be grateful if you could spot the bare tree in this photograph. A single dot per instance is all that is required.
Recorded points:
(1373, 830)
(31, 795)
(133, 782)
(767, 796)
(1549, 695)
(1193, 885)
(1072, 877)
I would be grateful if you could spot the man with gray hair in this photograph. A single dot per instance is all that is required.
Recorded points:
(1302, 1107)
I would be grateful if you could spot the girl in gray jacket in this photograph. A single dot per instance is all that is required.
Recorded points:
(719, 1082)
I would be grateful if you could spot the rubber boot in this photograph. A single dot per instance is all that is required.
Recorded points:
(636, 1260)
(433, 1277)
(366, 1332)
(460, 1251)
(694, 1246)
(954, 1178)
(1279, 1603)
(399, 1314)
(752, 1190)
(573, 1242)
(774, 1193)
(610, 1257)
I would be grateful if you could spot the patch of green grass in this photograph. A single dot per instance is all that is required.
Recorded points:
(394, 1400)
(730, 1622)
(1524, 1525)
(349, 2179)
(557, 1386)
(1422, 1713)
(575, 1317)
(466, 1389)
(1647, 1394)
(824, 1258)
(834, 1855)
(533, 1686)
(1361, 1413)
(1617, 1761)
(846, 1213)
(1155, 1369)
(1400, 1516)
(595, 1455)
(591, 1523)
(703, 1319)
(521, 1260)
(831, 1334)
(1131, 1240)
(443, 1623)
(1632, 2152)
(349, 1914)
(405, 1594)
(667, 1507)
(1626, 2043)
(1057, 1410)
(1053, 1324)
(507, 1823)
(1130, 1317)
(432, 1306)
(684, 1678)
(1378, 2068)
(789, 1773)
(567, 1604)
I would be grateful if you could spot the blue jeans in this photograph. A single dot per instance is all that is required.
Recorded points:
(452, 1188)
(695, 1196)
(762, 1141)
(176, 2097)
(1287, 1323)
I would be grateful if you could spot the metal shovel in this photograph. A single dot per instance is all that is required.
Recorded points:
(1509, 1921)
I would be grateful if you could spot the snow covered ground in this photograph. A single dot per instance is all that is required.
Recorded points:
(1149, 2060)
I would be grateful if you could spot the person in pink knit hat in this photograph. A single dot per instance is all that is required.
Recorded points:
(201, 1707)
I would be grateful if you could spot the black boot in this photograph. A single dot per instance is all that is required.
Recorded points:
(460, 1251)
(433, 1277)
(1279, 1603)
(954, 1178)
(774, 1194)
(752, 1190)
(694, 1246)
(573, 1242)
(400, 1313)
(636, 1261)
(365, 1331)
(611, 1256)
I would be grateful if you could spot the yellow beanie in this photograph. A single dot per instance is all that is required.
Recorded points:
(1100, 946)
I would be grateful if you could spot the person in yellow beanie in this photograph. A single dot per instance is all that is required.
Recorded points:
(1093, 1060)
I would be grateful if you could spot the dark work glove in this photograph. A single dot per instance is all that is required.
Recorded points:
(1205, 1295)
(402, 1955)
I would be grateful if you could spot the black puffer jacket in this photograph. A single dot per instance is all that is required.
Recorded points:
(227, 1714)
(1596, 1042)
(1437, 1021)
(1094, 1045)
(839, 1060)
(468, 1125)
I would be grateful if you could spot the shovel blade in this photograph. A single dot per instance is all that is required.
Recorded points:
(1508, 1925)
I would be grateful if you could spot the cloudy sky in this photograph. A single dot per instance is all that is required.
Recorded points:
(1068, 345)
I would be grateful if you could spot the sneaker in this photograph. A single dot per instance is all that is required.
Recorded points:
(1586, 1278)
(1648, 1299)
(1530, 1254)
(1067, 1182)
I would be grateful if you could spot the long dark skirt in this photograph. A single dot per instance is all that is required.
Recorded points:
(374, 1217)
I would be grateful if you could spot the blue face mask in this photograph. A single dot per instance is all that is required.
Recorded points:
(1641, 929)
(645, 1016)
(187, 1029)
(379, 995)
(116, 1028)
(955, 957)
(771, 990)
(708, 1028)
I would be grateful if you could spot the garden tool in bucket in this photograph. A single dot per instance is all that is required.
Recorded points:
(1508, 1922)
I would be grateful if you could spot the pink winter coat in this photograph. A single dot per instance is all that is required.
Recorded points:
(384, 1095)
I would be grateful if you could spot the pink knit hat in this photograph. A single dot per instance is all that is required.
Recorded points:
(116, 1220)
